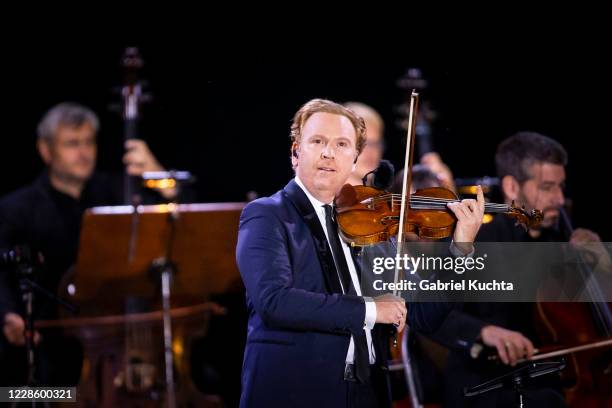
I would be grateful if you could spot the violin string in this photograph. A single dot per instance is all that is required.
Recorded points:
(416, 206)
(428, 199)
(444, 205)
(436, 200)
(439, 202)
(399, 196)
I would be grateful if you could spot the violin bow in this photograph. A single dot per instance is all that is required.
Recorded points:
(405, 205)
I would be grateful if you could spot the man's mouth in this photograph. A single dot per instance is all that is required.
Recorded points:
(551, 217)
(329, 169)
(551, 212)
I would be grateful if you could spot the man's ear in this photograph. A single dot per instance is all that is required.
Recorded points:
(295, 154)
(44, 150)
(357, 157)
(510, 187)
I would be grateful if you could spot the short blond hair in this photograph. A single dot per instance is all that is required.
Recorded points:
(368, 113)
(323, 105)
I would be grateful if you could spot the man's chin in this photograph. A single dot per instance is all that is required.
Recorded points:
(551, 218)
(78, 177)
(550, 221)
(328, 185)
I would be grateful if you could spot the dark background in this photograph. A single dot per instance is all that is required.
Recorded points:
(224, 112)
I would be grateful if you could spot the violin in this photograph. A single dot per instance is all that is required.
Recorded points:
(367, 216)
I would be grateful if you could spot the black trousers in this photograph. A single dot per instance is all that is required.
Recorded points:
(372, 394)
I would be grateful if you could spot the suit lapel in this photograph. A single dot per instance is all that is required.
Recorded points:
(295, 194)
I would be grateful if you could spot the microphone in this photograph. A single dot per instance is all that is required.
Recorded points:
(383, 175)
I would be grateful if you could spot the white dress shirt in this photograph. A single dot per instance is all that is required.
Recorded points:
(370, 306)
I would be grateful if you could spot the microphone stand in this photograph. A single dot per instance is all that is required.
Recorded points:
(25, 270)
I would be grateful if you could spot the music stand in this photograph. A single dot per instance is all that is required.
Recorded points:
(516, 379)
(146, 250)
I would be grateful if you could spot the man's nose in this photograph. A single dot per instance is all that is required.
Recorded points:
(559, 197)
(85, 150)
(327, 152)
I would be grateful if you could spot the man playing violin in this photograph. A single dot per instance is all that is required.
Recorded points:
(313, 339)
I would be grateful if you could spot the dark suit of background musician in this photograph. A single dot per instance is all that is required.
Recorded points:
(531, 168)
(46, 215)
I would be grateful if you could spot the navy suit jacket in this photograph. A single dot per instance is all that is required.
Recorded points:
(299, 322)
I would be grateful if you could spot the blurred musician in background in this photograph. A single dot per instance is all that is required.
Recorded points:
(46, 216)
(374, 145)
(531, 168)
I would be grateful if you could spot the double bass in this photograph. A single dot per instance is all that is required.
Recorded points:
(133, 97)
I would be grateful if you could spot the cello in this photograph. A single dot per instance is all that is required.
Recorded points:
(588, 378)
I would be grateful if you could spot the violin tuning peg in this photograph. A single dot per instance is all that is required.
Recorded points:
(512, 204)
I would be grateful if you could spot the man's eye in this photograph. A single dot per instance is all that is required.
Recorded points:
(342, 144)
(316, 140)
